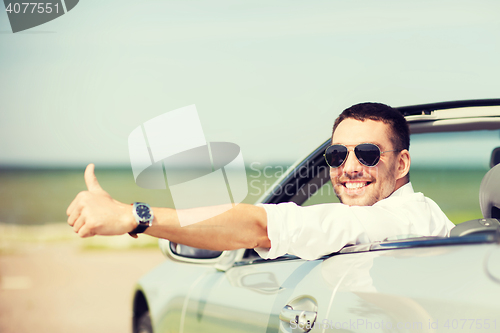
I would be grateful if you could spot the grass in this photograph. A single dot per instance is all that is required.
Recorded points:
(455, 191)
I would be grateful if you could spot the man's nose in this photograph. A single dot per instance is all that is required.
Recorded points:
(352, 165)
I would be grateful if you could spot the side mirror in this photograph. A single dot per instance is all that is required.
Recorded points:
(184, 253)
(193, 252)
(222, 260)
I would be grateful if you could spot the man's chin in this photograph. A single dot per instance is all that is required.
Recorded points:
(359, 199)
(353, 201)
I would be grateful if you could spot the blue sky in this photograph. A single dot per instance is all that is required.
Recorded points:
(270, 76)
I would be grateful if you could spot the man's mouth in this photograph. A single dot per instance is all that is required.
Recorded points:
(355, 185)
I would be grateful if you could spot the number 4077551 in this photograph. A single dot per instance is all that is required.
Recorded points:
(32, 7)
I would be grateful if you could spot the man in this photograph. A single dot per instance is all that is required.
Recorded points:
(369, 162)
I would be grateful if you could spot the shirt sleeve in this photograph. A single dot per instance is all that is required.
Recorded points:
(313, 231)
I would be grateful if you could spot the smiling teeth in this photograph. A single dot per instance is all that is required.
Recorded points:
(354, 185)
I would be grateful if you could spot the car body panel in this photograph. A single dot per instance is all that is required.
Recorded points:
(386, 287)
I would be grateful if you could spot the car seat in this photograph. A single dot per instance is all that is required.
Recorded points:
(489, 201)
(489, 193)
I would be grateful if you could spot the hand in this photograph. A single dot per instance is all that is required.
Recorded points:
(95, 212)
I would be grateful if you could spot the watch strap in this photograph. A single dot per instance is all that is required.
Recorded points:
(139, 229)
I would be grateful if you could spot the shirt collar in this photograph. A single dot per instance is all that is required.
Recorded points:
(403, 190)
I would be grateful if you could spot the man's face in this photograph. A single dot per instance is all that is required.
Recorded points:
(354, 183)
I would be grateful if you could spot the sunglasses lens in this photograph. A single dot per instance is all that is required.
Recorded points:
(367, 154)
(335, 155)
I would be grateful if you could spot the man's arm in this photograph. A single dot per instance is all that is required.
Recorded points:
(95, 212)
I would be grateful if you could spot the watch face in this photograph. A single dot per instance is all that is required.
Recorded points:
(143, 212)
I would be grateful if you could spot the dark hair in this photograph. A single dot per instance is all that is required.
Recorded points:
(400, 137)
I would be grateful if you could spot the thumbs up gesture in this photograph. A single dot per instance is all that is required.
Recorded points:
(91, 179)
(95, 212)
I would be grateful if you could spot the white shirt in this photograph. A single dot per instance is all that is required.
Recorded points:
(313, 231)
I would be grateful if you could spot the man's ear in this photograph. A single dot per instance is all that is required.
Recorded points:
(404, 162)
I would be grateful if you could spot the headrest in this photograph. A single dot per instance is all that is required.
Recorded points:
(495, 157)
(489, 193)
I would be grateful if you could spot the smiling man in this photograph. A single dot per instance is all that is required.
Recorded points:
(369, 164)
(380, 136)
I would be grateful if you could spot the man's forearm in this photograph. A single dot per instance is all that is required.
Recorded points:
(244, 226)
(95, 212)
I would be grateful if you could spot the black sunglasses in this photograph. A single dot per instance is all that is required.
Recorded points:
(367, 154)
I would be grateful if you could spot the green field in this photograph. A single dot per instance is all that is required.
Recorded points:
(35, 197)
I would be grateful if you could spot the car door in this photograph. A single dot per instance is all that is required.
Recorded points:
(279, 295)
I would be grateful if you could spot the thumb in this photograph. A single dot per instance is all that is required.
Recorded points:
(91, 180)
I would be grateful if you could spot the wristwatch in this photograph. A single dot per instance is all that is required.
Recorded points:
(143, 215)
